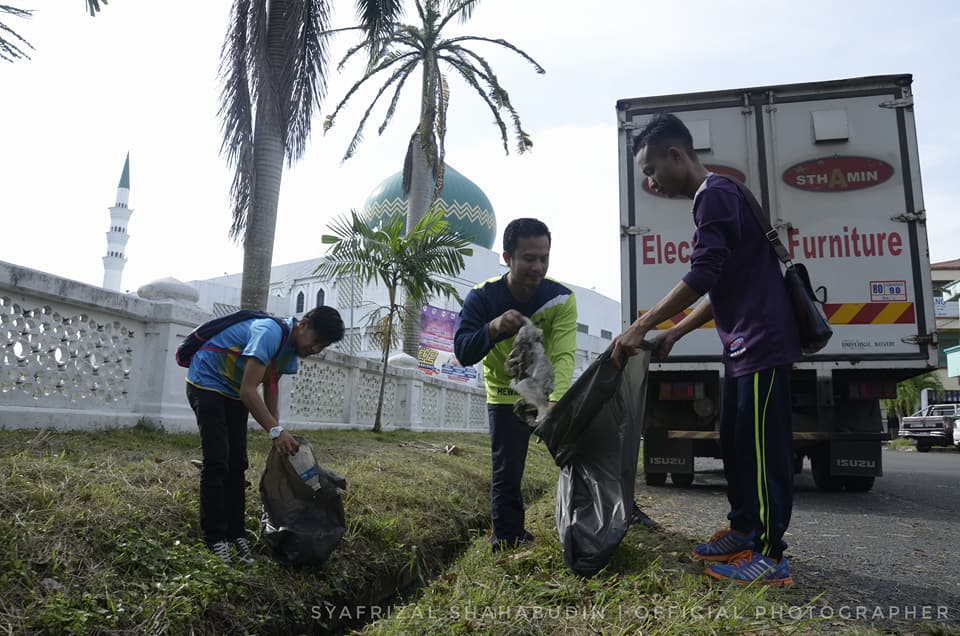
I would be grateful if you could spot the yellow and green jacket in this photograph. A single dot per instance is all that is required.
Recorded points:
(553, 309)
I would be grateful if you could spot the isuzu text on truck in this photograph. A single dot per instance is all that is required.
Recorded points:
(836, 165)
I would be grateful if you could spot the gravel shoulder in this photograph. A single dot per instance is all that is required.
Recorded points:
(887, 558)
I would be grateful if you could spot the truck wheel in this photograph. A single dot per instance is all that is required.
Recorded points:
(858, 483)
(923, 447)
(820, 467)
(683, 480)
(798, 463)
(655, 479)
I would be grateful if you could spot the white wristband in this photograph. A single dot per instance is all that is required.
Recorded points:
(275, 431)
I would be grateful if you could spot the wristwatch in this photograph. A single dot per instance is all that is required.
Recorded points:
(275, 431)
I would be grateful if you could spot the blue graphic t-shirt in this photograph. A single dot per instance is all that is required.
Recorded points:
(219, 364)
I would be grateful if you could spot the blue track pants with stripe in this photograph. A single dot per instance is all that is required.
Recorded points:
(756, 442)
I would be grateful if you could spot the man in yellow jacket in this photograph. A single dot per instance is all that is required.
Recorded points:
(492, 314)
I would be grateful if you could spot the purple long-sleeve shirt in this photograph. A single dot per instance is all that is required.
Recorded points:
(733, 262)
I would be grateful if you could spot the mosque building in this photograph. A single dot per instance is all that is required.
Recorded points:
(295, 289)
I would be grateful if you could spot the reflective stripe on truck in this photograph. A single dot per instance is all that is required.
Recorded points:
(892, 313)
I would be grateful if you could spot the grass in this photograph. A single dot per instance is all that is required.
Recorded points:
(99, 535)
(651, 586)
(99, 532)
(901, 443)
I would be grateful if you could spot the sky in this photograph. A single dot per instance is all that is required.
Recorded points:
(141, 78)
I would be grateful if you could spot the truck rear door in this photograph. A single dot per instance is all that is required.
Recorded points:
(843, 188)
(836, 164)
(658, 231)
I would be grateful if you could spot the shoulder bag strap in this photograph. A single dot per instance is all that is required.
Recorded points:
(758, 214)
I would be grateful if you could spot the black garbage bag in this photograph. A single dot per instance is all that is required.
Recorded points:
(301, 523)
(594, 435)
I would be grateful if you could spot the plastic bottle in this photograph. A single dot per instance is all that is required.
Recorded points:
(306, 466)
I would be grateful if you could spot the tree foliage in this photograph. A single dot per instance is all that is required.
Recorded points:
(13, 46)
(409, 264)
(401, 49)
(909, 391)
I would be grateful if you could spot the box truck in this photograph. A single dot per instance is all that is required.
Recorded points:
(835, 165)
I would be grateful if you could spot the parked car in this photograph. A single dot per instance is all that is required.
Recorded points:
(936, 425)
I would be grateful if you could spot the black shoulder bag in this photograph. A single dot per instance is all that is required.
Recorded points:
(814, 329)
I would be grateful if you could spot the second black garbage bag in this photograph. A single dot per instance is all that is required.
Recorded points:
(594, 435)
(303, 518)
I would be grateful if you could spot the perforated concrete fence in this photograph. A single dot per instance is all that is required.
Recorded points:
(81, 357)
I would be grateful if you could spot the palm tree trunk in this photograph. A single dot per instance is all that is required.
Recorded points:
(383, 374)
(268, 153)
(418, 201)
(411, 328)
(420, 196)
(262, 220)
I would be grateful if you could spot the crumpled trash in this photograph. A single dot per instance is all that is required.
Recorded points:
(302, 522)
(594, 435)
(532, 374)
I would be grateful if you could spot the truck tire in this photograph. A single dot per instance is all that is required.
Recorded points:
(683, 480)
(655, 479)
(798, 463)
(858, 483)
(820, 468)
(923, 447)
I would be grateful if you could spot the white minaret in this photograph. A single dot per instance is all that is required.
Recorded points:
(117, 237)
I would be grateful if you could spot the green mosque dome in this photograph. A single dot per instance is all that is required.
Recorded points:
(467, 208)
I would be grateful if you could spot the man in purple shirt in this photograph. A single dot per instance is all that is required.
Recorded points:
(733, 263)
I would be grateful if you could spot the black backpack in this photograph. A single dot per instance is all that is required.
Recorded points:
(194, 341)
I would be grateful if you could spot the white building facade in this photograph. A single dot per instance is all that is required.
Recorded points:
(295, 289)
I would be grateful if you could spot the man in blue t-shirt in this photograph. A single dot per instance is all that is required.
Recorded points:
(734, 264)
(222, 386)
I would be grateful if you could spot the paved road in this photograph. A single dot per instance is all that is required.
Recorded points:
(894, 552)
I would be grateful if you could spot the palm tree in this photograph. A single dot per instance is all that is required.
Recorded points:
(404, 48)
(908, 394)
(273, 74)
(11, 42)
(408, 262)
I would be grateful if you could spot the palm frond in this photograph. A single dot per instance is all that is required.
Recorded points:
(414, 262)
(353, 50)
(498, 94)
(392, 108)
(262, 80)
(500, 42)
(12, 44)
(377, 18)
(369, 74)
(93, 6)
(485, 71)
(399, 73)
(236, 115)
(405, 182)
(462, 9)
(421, 11)
(385, 332)
(495, 89)
(468, 74)
(443, 102)
(428, 111)
(306, 80)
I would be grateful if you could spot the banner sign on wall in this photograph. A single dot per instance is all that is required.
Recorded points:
(436, 355)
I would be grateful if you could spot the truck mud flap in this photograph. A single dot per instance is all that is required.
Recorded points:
(662, 455)
(856, 459)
